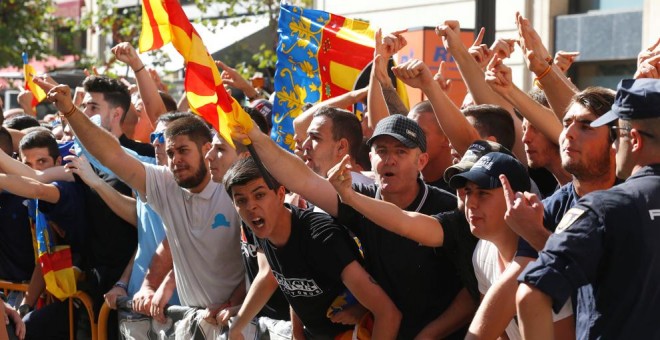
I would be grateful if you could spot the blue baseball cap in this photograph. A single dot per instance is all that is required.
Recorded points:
(635, 99)
(486, 173)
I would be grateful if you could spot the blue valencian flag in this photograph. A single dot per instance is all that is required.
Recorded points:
(319, 56)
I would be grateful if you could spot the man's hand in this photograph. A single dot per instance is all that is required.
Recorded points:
(19, 325)
(414, 73)
(24, 99)
(390, 44)
(81, 167)
(60, 95)
(503, 47)
(498, 77)
(159, 301)
(128, 55)
(211, 312)
(564, 59)
(536, 55)
(142, 300)
(231, 77)
(340, 178)
(649, 68)
(450, 33)
(440, 78)
(648, 52)
(380, 68)
(226, 314)
(524, 211)
(112, 295)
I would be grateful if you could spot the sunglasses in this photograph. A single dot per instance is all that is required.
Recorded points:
(157, 136)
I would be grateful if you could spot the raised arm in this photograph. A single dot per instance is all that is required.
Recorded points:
(100, 143)
(474, 76)
(457, 129)
(370, 295)
(12, 166)
(558, 89)
(122, 205)
(291, 172)
(29, 188)
(383, 98)
(498, 77)
(418, 227)
(301, 123)
(153, 104)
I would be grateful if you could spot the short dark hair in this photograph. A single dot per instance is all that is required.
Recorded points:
(492, 120)
(6, 142)
(539, 96)
(21, 121)
(168, 100)
(258, 118)
(192, 126)
(344, 125)
(40, 139)
(172, 116)
(423, 106)
(598, 100)
(243, 171)
(114, 92)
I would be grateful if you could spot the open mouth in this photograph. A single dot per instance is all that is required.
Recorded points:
(258, 223)
(388, 174)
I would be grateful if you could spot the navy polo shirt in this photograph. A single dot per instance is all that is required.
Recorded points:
(554, 208)
(608, 244)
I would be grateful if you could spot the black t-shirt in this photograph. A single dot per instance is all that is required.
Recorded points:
(142, 149)
(421, 281)
(459, 244)
(442, 185)
(277, 307)
(16, 250)
(308, 268)
(112, 241)
(608, 241)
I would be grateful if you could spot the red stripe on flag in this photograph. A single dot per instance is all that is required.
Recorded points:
(60, 259)
(158, 39)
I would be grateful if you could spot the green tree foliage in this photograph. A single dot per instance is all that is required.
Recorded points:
(25, 25)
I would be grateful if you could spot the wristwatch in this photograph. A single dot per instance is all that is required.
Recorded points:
(24, 309)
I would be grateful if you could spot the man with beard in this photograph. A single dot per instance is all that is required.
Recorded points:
(586, 153)
(197, 212)
(608, 239)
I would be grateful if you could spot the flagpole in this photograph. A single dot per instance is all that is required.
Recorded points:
(267, 178)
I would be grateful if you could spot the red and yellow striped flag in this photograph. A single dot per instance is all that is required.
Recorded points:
(164, 21)
(38, 93)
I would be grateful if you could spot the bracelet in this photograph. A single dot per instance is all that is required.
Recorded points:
(121, 285)
(70, 112)
(543, 74)
(140, 69)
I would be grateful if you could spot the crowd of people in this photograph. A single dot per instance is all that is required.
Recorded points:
(518, 215)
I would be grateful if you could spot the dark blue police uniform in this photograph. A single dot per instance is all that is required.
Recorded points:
(609, 240)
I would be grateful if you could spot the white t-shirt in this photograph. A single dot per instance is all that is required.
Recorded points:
(485, 260)
(203, 230)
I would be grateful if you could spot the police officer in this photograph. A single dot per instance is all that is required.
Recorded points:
(610, 240)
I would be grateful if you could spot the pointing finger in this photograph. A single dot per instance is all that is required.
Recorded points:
(509, 196)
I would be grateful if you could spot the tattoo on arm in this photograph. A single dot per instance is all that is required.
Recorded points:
(394, 103)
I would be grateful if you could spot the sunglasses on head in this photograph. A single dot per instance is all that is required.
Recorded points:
(160, 136)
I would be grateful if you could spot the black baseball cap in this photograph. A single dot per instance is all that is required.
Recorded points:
(404, 129)
(486, 173)
(477, 149)
(635, 99)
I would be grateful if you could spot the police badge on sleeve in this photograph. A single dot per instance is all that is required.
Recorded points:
(569, 218)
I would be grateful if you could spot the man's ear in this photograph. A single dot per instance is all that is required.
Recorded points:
(422, 160)
(58, 161)
(342, 147)
(281, 193)
(636, 140)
